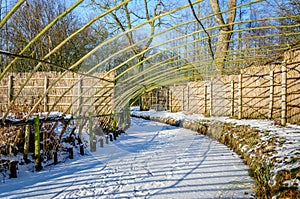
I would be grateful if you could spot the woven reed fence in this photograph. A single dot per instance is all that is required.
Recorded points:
(72, 94)
(260, 92)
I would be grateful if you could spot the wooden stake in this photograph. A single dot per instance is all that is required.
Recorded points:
(79, 91)
(211, 98)
(26, 143)
(150, 94)
(70, 152)
(46, 99)
(101, 140)
(13, 165)
(55, 157)
(156, 99)
(10, 89)
(92, 147)
(283, 95)
(81, 149)
(171, 101)
(188, 97)
(182, 99)
(167, 98)
(232, 98)
(106, 139)
(240, 116)
(271, 94)
(205, 99)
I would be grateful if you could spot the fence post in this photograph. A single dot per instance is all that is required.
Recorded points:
(188, 98)
(79, 91)
(171, 101)
(156, 99)
(79, 102)
(92, 147)
(13, 166)
(240, 116)
(128, 122)
(271, 94)
(46, 99)
(183, 99)
(205, 98)
(10, 89)
(37, 141)
(26, 143)
(55, 160)
(211, 98)
(150, 96)
(167, 99)
(106, 139)
(101, 140)
(283, 95)
(232, 98)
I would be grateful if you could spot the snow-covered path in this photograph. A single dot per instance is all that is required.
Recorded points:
(152, 160)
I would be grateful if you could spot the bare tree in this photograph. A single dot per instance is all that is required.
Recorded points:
(125, 18)
(28, 22)
(224, 31)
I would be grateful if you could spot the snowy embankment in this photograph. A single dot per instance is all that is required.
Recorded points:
(151, 160)
(272, 152)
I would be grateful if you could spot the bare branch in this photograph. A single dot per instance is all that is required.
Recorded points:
(208, 36)
(147, 10)
(137, 16)
(46, 62)
(129, 26)
(232, 13)
(216, 9)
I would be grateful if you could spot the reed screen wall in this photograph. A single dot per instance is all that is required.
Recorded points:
(271, 91)
(73, 94)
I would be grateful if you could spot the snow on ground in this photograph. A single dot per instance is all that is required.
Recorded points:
(152, 160)
(285, 156)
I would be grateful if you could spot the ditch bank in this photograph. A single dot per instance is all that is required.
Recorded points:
(272, 153)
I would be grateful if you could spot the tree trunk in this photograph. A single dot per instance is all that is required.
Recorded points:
(222, 50)
(224, 33)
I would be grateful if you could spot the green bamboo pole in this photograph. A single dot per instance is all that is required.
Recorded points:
(6, 69)
(11, 12)
(109, 89)
(164, 77)
(167, 73)
(54, 50)
(78, 97)
(190, 35)
(39, 35)
(126, 32)
(37, 141)
(172, 28)
(157, 67)
(62, 43)
(155, 82)
(138, 90)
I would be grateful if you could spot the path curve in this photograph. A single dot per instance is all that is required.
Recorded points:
(152, 160)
